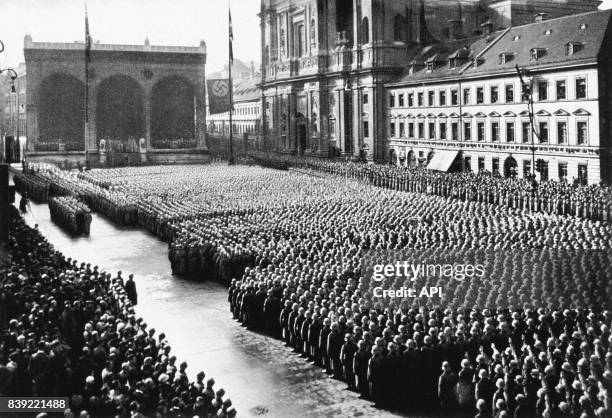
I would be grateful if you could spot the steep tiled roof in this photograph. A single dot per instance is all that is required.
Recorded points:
(551, 36)
(587, 30)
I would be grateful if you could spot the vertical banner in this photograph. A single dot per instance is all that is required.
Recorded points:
(218, 96)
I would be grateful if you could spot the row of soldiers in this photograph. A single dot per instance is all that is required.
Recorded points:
(70, 214)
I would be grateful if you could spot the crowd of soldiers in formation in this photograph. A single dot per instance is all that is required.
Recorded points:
(70, 214)
(587, 201)
(304, 243)
(69, 330)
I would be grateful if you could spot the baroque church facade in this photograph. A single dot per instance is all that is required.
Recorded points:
(325, 63)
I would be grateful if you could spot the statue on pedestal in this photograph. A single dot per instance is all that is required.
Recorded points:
(142, 145)
(103, 151)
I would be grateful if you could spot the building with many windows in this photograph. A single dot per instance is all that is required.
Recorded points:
(325, 63)
(462, 105)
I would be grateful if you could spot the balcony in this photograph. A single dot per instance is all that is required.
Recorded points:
(499, 146)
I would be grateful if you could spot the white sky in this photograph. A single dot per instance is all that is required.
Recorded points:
(164, 22)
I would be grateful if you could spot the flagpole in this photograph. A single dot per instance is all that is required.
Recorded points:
(231, 87)
(87, 47)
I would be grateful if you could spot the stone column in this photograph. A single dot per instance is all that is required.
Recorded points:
(200, 114)
(91, 137)
(340, 119)
(147, 115)
(358, 110)
(292, 121)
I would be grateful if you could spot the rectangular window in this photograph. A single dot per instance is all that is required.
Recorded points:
(466, 96)
(562, 132)
(526, 168)
(509, 131)
(392, 100)
(526, 128)
(366, 129)
(543, 90)
(366, 98)
(581, 88)
(410, 130)
(401, 100)
(432, 130)
(443, 130)
(410, 99)
(509, 93)
(442, 98)
(467, 131)
(494, 94)
(455, 131)
(454, 97)
(421, 130)
(495, 165)
(420, 99)
(581, 130)
(481, 164)
(543, 132)
(479, 95)
(468, 164)
(561, 90)
(562, 171)
(495, 131)
(481, 131)
(402, 130)
(392, 130)
(430, 98)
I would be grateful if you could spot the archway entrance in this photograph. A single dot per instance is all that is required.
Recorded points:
(173, 113)
(510, 167)
(412, 160)
(392, 157)
(119, 110)
(61, 116)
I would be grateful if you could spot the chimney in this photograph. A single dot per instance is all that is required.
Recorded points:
(540, 17)
(147, 43)
(455, 29)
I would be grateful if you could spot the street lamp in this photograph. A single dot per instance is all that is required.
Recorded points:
(527, 81)
(13, 91)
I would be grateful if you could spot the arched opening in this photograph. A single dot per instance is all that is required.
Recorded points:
(119, 110)
(399, 28)
(392, 157)
(61, 115)
(344, 20)
(510, 167)
(429, 156)
(412, 160)
(172, 117)
(365, 30)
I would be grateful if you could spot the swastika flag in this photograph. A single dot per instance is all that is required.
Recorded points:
(218, 95)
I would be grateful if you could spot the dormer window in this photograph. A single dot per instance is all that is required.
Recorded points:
(537, 53)
(583, 26)
(572, 47)
(430, 67)
(516, 38)
(548, 32)
(505, 57)
(478, 61)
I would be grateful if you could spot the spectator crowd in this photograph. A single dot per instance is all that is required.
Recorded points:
(69, 329)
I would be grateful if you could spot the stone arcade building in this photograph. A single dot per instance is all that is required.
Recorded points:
(135, 91)
(325, 63)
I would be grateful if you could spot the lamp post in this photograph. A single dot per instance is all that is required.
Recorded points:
(527, 86)
(13, 90)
